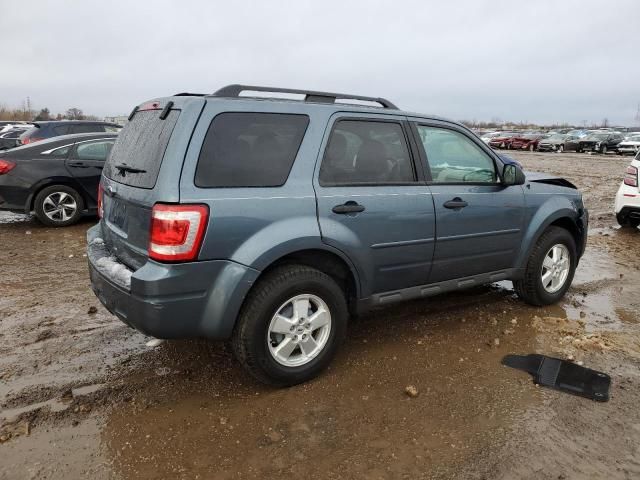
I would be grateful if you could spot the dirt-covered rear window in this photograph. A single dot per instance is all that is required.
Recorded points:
(136, 156)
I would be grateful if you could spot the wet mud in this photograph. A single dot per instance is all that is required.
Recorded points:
(82, 395)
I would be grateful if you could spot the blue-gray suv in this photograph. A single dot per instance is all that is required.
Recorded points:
(270, 221)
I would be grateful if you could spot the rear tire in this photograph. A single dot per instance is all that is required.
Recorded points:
(531, 288)
(560, 148)
(257, 341)
(625, 222)
(603, 150)
(532, 148)
(58, 206)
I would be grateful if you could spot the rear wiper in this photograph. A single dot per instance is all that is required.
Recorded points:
(123, 167)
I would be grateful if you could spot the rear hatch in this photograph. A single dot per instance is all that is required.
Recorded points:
(144, 168)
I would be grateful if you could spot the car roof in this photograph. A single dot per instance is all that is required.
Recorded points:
(313, 99)
(74, 122)
(64, 139)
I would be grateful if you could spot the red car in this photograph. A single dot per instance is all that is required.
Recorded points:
(525, 142)
(502, 141)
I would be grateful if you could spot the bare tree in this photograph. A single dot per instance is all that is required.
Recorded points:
(74, 114)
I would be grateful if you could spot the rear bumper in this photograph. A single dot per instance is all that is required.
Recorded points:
(188, 300)
(627, 200)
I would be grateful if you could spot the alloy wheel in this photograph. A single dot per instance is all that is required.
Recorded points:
(299, 330)
(555, 268)
(59, 206)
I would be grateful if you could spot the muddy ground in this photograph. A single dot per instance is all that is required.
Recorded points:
(82, 396)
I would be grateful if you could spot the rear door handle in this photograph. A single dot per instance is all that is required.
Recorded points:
(78, 164)
(348, 207)
(455, 204)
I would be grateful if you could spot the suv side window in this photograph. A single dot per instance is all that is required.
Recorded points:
(244, 149)
(363, 152)
(61, 129)
(454, 158)
(87, 128)
(94, 150)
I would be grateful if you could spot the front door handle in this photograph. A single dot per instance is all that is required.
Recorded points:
(456, 204)
(348, 207)
(78, 164)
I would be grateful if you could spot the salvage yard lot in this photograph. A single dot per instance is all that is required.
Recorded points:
(81, 394)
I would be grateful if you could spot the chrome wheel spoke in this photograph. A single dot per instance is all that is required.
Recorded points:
(282, 324)
(300, 308)
(308, 345)
(319, 319)
(285, 348)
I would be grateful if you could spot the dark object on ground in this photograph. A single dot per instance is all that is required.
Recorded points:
(562, 375)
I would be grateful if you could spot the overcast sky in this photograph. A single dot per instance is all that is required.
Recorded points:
(518, 60)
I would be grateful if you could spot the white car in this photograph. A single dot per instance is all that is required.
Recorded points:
(486, 138)
(628, 196)
(630, 145)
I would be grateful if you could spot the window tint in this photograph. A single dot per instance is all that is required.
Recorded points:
(366, 152)
(87, 128)
(454, 158)
(61, 129)
(250, 149)
(94, 150)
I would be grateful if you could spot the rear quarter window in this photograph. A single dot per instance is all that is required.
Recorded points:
(141, 144)
(244, 149)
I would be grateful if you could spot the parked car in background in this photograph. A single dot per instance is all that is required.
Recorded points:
(527, 141)
(627, 206)
(553, 143)
(267, 222)
(601, 142)
(9, 139)
(572, 143)
(502, 140)
(630, 145)
(55, 178)
(5, 126)
(488, 136)
(41, 130)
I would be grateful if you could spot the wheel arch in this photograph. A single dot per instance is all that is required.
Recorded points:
(326, 259)
(556, 212)
(48, 182)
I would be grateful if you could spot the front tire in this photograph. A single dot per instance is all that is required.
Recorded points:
(603, 150)
(291, 325)
(550, 269)
(560, 148)
(58, 206)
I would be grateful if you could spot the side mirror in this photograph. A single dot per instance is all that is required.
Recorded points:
(512, 174)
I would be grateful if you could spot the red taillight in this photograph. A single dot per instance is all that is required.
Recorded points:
(28, 140)
(6, 166)
(177, 231)
(631, 176)
(100, 194)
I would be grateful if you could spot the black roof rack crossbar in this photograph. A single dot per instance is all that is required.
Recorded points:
(310, 96)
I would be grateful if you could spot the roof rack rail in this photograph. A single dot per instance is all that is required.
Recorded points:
(310, 95)
(188, 94)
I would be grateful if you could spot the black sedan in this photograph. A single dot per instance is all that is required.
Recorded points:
(56, 178)
(600, 142)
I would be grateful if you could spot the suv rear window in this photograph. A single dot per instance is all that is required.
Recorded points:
(249, 149)
(141, 145)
